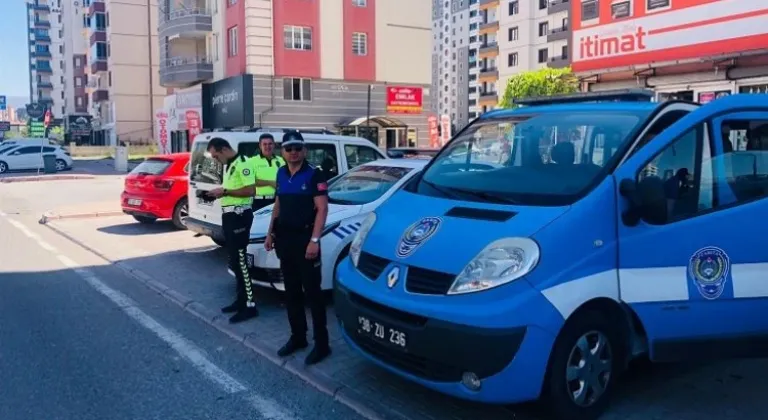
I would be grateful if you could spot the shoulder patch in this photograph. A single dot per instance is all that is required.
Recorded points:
(246, 171)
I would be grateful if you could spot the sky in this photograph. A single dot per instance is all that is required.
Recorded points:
(14, 66)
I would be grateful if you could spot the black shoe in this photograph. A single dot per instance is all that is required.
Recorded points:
(317, 355)
(232, 308)
(244, 314)
(292, 346)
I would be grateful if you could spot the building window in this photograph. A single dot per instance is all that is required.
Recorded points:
(215, 46)
(296, 89)
(543, 55)
(359, 43)
(231, 3)
(232, 41)
(78, 82)
(512, 60)
(564, 52)
(514, 8)
(360, 3)
(543, 4)
(77, 62)
(297, 38)
(589, 10)
(514, 34)
(657, 4)
(543, 28)
(621, 9)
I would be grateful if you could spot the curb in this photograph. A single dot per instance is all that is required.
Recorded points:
(45, 178)
(53, 216)
(345, 395)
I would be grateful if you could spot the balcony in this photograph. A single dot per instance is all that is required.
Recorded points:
(43, 39)
(99, 96)
(98, 36)
(488, 99)
(557, 34)
(97, 6)
(41, 54)
(193, 23)
(41, 7)
(556, 6)
(43, 67)
(489, 50)
(40, 23)
(98, 65)
(489, 28)
(181, 72)
(44, 85)
(489, 74)
(488, 4)
(559, 62)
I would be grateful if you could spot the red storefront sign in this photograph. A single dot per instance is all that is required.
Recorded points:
(663, 31)
(193, 124)
(404, 100)
(434, 135)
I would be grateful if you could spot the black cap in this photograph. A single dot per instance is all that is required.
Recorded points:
(266, 136)
(292, 138)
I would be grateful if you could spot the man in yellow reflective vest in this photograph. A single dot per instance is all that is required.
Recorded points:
(265, 167)
(236, 197)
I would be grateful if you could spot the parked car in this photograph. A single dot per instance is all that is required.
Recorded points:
(157, 189)
(331, 153)
(20, 156)
(351, 197)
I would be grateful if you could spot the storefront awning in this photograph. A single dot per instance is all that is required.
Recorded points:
(384, 122)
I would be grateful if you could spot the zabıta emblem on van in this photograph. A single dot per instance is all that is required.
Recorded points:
(709, 269)
(416, 235)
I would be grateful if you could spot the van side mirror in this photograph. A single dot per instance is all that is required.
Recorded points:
(647, 201)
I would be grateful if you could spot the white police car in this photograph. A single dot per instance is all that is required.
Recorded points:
(351, 196)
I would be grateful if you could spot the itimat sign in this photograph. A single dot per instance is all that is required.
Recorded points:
(685, 30)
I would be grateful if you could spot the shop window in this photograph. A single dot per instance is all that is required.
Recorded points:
(297, 89)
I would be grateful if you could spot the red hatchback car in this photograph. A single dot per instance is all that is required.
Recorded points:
(157, 189)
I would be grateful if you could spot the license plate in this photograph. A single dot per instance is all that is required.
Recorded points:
(382, 333)
(134, 202)
(249, 259)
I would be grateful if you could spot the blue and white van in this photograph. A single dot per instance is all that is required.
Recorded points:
(545, 247)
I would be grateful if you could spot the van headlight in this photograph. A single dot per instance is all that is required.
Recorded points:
(362, 233)
(499, 263)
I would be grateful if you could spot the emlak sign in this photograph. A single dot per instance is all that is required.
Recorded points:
(404, 100)
(690, 29)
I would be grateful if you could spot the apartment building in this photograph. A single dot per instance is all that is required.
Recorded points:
(123, 69)
(456, 41)
(518, 36)
(46, 70)
(74, 45)
(313, 64)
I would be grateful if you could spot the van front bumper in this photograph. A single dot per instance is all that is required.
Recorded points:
(204, 228)
(507, 364)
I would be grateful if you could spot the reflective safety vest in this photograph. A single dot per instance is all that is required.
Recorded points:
(239, 174)
(266, 170)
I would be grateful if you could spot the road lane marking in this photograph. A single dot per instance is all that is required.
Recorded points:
(32, 235)
(266, 407)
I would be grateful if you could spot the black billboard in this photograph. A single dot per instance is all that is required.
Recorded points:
(79, 125)
(228, 103)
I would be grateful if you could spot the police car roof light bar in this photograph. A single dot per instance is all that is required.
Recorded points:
(617, 95)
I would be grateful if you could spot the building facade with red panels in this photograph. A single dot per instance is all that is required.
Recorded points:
(688, 49)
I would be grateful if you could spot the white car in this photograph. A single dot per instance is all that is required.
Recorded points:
(351, 197)
(24, 157)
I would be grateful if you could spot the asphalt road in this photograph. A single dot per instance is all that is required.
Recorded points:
(79, 340)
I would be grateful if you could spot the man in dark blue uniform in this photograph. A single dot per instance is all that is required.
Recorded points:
(298, 219)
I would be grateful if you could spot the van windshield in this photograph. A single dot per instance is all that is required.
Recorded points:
(204, 168)
(536, 159)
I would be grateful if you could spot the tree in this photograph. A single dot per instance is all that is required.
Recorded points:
(543, 82)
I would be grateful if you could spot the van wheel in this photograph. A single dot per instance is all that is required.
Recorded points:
(180, 212)
(145, 219)
(585, 363)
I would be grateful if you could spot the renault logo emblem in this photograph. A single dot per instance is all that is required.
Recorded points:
(393, 276)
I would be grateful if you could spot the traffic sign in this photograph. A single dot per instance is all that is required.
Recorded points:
(3, 103)
(5, 126)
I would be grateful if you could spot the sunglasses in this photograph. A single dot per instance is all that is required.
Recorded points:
(290, 149)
